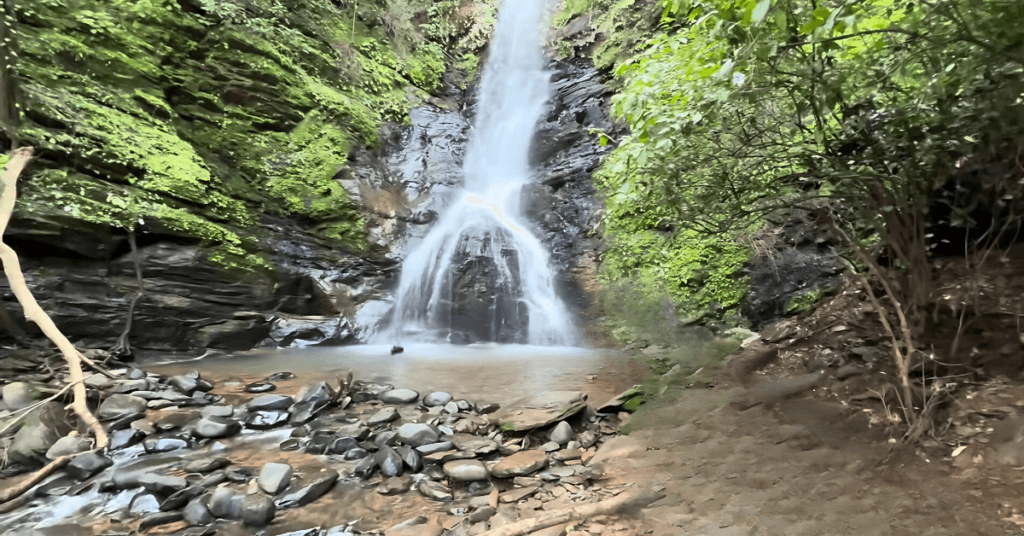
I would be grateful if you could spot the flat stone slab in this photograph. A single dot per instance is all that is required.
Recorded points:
(520, 464)
(540, 410)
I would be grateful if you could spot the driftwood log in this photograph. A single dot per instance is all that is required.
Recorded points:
(624, 503)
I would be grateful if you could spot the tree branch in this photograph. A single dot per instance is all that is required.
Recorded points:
(33, 312)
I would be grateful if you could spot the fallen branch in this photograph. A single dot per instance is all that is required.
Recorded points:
(626, 502)
(30, 481)
(33, 312)
(25, 411)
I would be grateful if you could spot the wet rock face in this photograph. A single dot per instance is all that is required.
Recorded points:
(485, 304)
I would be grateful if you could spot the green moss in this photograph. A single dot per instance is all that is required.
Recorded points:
(196, 122)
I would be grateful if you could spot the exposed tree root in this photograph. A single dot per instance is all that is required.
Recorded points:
(33, 312)
(624, 503)
(30, 481)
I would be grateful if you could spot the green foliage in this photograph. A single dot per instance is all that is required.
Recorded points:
(196, 117)
(740, 109)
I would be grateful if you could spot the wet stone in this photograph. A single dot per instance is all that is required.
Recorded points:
(164, 485)
(303, 412)
(240, 474)
(399, 396)
(196, 513)
(385, 415)
(434, 490)
(181, 498)
(164, 444)
(207, 465)
(68, 445)
(437, 398)
(280, 376)
(217, 411)
(356, 454)
(387, 438)
(118, 405)
(125, 438)
(225, 503)
(213, 480)
(270, 402)
(264, 420)
(433, 448)
(342, 445)
(291, 444)
(487, 409)
(274, 477)
(417, 434)
(321, 441)
(184, 384)
(412, 459)
(215, 427)
(316, 487)
(389, 462)
(144, 503)
(260, 387)
(466, 470)
(257, 510)
(87, 465)
(365, 468)
(159, 519)
(395, 485)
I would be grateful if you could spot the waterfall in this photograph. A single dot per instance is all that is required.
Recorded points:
(479, 274)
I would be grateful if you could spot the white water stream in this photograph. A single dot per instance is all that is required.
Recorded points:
(485, 222)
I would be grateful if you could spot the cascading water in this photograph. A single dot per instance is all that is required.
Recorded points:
(479, 274)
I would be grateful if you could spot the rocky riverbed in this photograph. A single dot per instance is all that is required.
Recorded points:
(194, 455)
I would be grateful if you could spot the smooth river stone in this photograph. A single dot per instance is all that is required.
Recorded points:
(466, 470)
(437, 398)
(520, 464)
(417, 434)
(399, 396)
(274, 477)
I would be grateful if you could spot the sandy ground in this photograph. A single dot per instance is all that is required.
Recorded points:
(804, 467)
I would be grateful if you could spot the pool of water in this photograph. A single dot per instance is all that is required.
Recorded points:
(480, 373)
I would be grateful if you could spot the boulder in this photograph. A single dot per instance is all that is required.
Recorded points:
(39, 430)
(19, 395)
(68, 445)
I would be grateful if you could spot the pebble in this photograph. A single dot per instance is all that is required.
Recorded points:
(417, 434)
(274, 477)
(437, 398)
(399, 396)
(466, 470)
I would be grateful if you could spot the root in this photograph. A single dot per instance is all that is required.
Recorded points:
(33, 312)
(624, 503)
